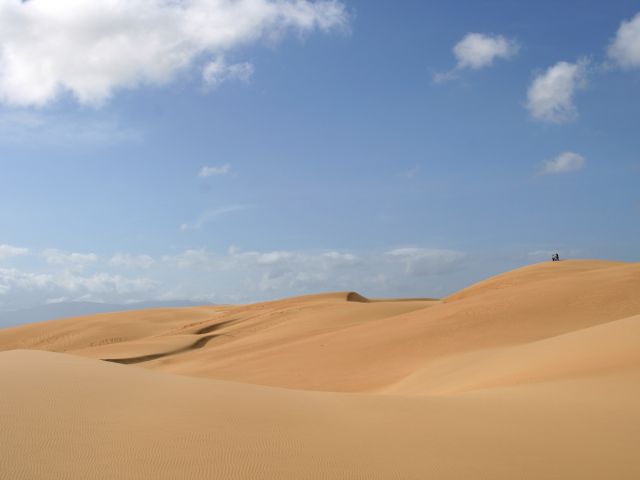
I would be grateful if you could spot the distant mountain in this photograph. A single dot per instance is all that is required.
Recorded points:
(76, 309)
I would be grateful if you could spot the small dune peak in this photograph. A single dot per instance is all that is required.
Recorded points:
(537, 274)
(356, 297)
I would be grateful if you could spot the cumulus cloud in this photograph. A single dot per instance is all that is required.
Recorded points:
(235, 258)
(235, 275)
(92, 48)
(69, 260)
(11, 278)
(563, 163)
(101, 283)
(624, 50)
(8, 251)
(284, 272)
(274, 271)
(19, 289)
(129, 261)
(211, 215)
(215, 170)
(551, 95)
(479, 50)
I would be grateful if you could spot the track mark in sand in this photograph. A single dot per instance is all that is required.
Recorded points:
(133, 360)
(201, 342)
(214, 327)
(106, 341)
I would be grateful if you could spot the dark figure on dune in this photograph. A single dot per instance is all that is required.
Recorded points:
(555, 257)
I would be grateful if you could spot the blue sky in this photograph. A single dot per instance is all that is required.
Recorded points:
(238, 151)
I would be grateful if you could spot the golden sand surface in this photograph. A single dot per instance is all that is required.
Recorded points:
(532, 374)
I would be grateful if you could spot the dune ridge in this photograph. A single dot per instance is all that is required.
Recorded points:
(530, 374)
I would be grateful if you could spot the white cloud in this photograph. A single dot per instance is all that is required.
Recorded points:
(69, 260)
(211, 215)
(212, 171)
(342, 258)
(234, 275)
(284, 272)
(275, 271)
(550, 96)
(92, 48)
(218, 71)
(11, 278)
(625, 48)
(128, 261)
(478, 50)
(8, 251)
(22, 289)
(563, 163)
(102, 283)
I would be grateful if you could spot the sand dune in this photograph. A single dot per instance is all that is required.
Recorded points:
(69, 417)
(531, 374)
(350, 346)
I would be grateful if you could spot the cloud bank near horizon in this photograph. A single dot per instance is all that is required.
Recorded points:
(30, 278)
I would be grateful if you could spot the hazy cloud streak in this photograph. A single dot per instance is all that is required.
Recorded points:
(563, 163)
(211, 215)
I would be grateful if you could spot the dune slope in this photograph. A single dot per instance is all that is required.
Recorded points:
(68, 417)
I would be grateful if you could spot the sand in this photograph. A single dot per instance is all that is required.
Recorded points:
(534, 374)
